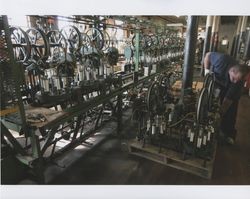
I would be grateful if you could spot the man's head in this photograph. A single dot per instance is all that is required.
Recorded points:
(238, 72)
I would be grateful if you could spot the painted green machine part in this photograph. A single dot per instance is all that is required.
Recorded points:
(128, 52)
(137, 54)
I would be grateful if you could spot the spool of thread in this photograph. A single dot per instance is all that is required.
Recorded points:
(199, 141)
(64, 81)
(57, 83)
(45, 84)
(191, 136)
(189, 133)
(148, 125)
(204, 140)
(153, 129)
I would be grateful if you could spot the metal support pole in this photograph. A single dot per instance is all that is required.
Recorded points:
(207, 39)
(246, 55)
(191, 38)
(212, 34)
(35, 144)
(216, 37)
(215, 30)
(119, 109)
(137, 37)
(242, 29)
(236, 38)
(233, 46)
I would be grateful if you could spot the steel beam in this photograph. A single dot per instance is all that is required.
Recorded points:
(190, 44)
(207, 39)
(236, 38)
(242, 30)
(216, 38)
(215, 32)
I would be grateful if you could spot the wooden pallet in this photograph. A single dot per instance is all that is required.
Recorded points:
(196, 166)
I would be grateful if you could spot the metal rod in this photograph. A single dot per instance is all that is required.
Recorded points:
(216, 38)
(78, 123)
(50, 137)
(35, 145)
(119, 109)
(237, 37)
(191, 38)
(215, 31)
(88, 20)
(242, 29)
(246, 55)
(99, 117)
(213, 34)
(233, 46)
(12, 140)
(137, 37)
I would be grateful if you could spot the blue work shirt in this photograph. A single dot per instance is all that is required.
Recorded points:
(220, 65)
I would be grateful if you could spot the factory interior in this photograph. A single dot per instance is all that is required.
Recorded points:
(120, 100)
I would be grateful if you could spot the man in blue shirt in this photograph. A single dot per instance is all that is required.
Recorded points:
(229, 77)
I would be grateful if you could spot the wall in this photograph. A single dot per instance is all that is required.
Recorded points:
(227, 30)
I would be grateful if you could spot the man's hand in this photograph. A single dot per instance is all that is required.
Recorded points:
(206, 63)
(206, 71)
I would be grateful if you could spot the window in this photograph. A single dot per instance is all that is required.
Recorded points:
(18, 20)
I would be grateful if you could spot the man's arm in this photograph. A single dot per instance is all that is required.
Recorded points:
(207, 63)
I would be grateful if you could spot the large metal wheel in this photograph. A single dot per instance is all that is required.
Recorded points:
(73, 37)
(39, 44)
(164, 86)
(202, 107)
(86, 44)
(96, 37)
(164, 80)
(155, 41)
(207, 79)
(142, 42)
(21, 44)
(148, 41)
(161, 39)
(58, 46)
(107, 41)
(112, 56)
(154, 99)
(209, 85)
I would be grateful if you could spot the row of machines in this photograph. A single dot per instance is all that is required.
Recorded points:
(60, 86)
(186, 123)
(57, 61)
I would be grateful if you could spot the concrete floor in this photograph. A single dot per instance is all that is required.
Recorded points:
(108, 164)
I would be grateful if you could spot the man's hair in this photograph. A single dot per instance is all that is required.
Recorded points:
(243, 69)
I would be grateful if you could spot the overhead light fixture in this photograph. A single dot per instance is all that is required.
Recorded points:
(175, 24)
